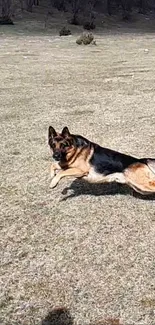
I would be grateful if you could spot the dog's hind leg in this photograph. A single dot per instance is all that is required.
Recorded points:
(141, 178)
(151, 164)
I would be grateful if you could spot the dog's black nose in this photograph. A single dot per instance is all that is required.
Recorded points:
(57, 155)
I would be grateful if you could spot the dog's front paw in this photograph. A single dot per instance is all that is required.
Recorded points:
(52, 173)
(53, 183)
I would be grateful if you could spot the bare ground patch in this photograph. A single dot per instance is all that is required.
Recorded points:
(86, 248)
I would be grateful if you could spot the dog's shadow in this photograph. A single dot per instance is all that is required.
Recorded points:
(81, 187)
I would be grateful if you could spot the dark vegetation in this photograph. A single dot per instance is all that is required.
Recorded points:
(90, 9)
(58, 316)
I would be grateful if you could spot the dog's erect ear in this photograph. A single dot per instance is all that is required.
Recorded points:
(51, 132)
(65, 132)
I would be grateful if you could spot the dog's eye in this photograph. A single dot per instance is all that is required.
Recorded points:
(65, 145)
(53, 145)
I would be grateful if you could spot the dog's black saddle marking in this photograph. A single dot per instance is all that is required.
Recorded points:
(107, 161)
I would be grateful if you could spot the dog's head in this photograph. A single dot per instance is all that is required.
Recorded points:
(61, 144)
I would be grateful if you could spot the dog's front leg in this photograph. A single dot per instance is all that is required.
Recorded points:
(68, 172)
(54, 168)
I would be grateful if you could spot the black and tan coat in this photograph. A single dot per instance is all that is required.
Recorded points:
(76, 156)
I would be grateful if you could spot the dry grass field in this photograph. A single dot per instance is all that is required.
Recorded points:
(88, 248)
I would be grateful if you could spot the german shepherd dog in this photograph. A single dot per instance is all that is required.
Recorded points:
(76, 156)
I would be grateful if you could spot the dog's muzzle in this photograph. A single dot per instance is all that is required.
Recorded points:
(57, 155)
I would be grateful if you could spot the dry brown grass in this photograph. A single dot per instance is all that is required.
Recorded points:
(88, 248)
